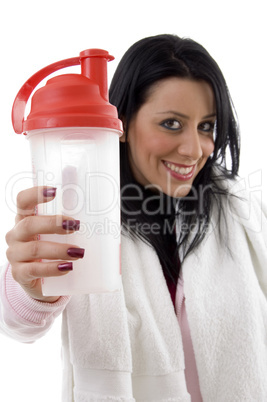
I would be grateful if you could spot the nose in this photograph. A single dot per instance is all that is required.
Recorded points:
(190, 145)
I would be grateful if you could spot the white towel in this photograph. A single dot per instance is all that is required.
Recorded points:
(128, 351)
(127, 346)
(226, 304)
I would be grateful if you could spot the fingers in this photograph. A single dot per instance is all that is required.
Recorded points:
(38, 250)
(27, 200)
(27, 228)
(27, 273)
(31, 259)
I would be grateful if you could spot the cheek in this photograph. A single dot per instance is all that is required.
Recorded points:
(207, 147)
(160, 146)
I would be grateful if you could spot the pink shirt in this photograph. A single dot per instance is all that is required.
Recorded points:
(191, 374)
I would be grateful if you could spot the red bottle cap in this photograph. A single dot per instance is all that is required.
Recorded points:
(69, 100)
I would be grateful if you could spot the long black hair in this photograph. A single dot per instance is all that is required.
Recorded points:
(151, 216)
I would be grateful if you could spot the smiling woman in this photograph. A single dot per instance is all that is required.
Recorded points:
(179, 125)
(172, 152)
(192, 315)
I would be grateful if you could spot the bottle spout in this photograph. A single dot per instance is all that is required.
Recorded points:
(94, 66)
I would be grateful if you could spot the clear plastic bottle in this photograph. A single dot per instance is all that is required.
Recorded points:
(73, 133)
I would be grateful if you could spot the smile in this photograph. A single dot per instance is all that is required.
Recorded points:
(180, 172)
(177, 169)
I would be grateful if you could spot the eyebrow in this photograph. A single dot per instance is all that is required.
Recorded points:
(184, 115)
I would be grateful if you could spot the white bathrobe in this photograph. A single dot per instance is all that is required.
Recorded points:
(127, 346)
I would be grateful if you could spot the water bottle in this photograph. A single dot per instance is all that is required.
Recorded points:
(73, 132)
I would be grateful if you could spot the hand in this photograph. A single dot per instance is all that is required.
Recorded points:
(25, 252)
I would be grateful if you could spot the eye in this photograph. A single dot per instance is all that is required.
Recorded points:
(207, 126)
(171, 124)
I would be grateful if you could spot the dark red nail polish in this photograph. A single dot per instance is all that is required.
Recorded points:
(66, 266)
(49, 192)
(76, 252)
(71, 225)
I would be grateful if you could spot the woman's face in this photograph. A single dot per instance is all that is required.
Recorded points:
(171, 136)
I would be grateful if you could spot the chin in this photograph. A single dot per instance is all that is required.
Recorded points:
(178, 191)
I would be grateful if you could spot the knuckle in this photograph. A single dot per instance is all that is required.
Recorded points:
(15, 273)
(51, 221)
(9, 254)
(8, 237)
(46, 270)
(20, 198)
(27, 223)
(32, 270)
(26, 202)
(35, 249)
(38, 270)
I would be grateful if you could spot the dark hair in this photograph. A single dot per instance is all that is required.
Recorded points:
(146, 62)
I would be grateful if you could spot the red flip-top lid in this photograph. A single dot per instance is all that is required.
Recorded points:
(69, 100)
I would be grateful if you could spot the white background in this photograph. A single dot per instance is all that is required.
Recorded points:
(35, 34)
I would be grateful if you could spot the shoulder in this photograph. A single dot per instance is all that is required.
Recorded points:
(243, 204)
(243, 218)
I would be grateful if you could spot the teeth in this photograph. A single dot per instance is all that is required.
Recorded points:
(182, 170)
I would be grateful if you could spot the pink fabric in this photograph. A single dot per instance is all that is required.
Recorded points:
(191, 374)
(22, 317)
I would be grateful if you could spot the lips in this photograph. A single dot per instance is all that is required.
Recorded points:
(180, 172)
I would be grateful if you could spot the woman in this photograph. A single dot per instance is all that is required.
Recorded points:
(191, 321)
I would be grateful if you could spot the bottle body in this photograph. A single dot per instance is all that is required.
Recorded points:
(83, 164)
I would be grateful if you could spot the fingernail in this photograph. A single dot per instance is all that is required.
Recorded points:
(49, 192)
(76, 252)
(66, 266)
(71, 225)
